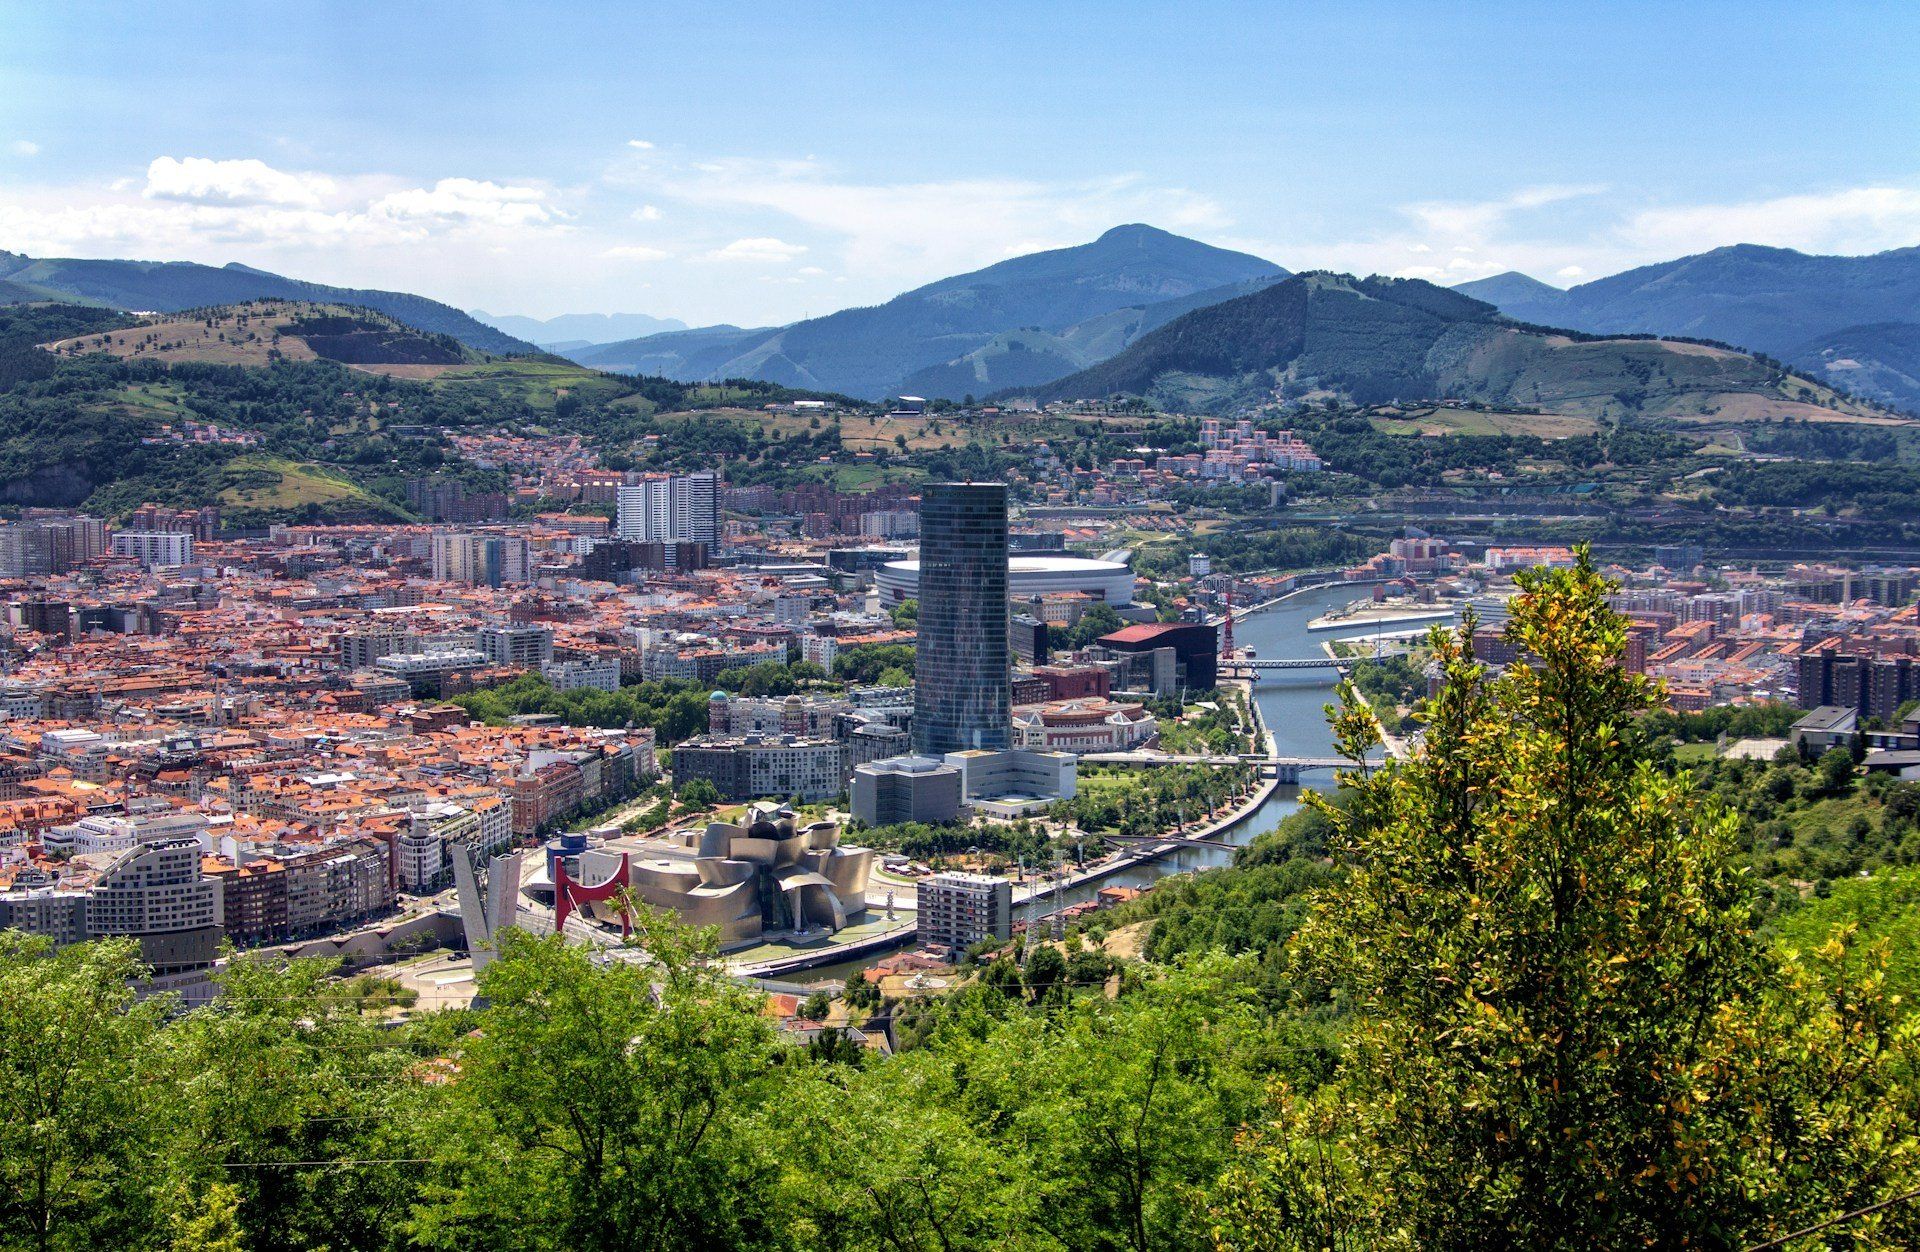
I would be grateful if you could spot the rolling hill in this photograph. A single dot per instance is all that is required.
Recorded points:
(174, 286)
(1037, 315)
(265, 331)
(1784, 303)
(1377, 340)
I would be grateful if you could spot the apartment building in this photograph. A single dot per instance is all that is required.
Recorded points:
(959, 910)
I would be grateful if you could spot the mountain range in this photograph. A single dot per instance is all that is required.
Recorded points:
(1032, 321)
(1851, 320)
(1015, 323)
(1376, 341)
(575, 331)
(171, 286)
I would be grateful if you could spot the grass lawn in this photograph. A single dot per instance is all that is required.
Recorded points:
(269, 482)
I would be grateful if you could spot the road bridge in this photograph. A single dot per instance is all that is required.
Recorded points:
(1286, 769)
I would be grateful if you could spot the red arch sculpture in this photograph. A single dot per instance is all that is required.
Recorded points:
(569, 895)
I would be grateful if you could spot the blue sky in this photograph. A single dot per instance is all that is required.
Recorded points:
(756, 162)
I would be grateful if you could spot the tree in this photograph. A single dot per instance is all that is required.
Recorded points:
(698, 793)
(1566, 1031)
(862, 992)
(1046, 974)
(605, 1105)
(81, 1121)
(1836, 770)
(283, 1069)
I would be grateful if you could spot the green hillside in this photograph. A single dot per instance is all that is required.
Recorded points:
(1851, 321)
(1375, 340)
(325, 411)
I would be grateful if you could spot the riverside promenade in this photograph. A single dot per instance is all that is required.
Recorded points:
(1153, 850)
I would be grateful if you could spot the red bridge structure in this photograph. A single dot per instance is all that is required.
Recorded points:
(569, 895)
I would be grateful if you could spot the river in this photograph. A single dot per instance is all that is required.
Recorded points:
(1293, 705)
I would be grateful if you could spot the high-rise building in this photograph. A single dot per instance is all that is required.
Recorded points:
(154, 548)
(50, 544)
(682, 509)
(960, 695)
(480, 559)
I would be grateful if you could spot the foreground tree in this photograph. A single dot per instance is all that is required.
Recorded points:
(1566, 1032)
(79, 1104)
(604, 1104)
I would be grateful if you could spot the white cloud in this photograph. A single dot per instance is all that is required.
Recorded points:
(1856, 219)
(763, 250)
(810, 271)
(647, 213)
(899, 234)
(466, 200)
(200, 180)
(1477, 217)
(1572, 273)
(636, 252)
(644, 145)
(24, 147)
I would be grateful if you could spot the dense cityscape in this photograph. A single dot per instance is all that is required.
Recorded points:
(1121, 629)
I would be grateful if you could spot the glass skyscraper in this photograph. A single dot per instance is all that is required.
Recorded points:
(960, 668)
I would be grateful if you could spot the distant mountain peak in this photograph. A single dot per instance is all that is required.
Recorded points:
(1130, 231)
(1096, 292)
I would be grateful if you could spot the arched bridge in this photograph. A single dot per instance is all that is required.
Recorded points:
(1242, 666)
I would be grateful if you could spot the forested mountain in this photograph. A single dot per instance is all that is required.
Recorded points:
(580, 329)
(1042, 302)
(1376, 340)
(1838, 317)
(1518, 295)
(1028, 358)
(171, 286)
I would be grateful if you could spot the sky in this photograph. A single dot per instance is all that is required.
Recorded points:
(756, 163)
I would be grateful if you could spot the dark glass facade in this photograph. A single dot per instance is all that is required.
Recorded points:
(961, 664)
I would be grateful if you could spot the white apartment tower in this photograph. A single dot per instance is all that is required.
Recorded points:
(682, 509)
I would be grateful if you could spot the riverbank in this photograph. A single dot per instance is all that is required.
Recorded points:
(1203, 837)
(1379, 617)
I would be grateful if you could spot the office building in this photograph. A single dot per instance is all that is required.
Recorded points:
(960, 696)
(524, 647)
(682, 509)
(960, 910)
(905, 789)
(1171, 655)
